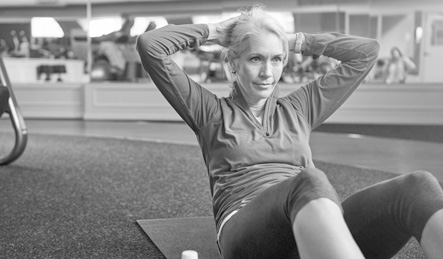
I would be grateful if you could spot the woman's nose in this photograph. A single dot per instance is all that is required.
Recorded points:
(266, 69)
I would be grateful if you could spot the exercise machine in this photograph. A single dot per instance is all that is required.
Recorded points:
(9, 105)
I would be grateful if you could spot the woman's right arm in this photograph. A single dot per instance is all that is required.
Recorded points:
(192, 102)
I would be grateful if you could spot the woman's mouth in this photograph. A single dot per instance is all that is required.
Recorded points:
(264, 85)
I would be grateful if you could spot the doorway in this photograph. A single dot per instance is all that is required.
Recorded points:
(432, 48)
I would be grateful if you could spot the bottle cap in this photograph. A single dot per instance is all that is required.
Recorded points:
(189, 254)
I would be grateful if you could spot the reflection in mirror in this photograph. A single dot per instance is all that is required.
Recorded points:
(415, 31)
(114, 57)
(39, 50)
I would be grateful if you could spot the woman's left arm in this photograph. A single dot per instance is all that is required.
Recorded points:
(320, 98)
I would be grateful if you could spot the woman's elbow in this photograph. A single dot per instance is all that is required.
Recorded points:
(373, 50)
(375, 46)
(142, 43)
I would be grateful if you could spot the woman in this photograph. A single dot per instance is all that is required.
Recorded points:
(398, 67)
(269, 200)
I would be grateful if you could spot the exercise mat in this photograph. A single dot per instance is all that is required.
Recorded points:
(175, 235)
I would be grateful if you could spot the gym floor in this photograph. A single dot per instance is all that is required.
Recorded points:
(67, 197)
(386, 148)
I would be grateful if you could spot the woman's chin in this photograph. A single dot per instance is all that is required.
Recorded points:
(266, 92)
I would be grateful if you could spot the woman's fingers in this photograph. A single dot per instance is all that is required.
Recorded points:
(223, 31)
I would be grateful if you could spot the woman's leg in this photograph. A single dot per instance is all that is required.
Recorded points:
(263, 228)
(383, 217)
(432, 237)
(260, 229)
(321, 232)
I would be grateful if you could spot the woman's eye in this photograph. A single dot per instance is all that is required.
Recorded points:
(255, 59)
(277, 59)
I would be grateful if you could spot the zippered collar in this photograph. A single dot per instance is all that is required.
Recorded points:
(237, 97)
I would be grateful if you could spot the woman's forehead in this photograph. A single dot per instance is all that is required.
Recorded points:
(266, 42)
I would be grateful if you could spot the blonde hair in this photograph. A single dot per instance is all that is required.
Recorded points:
(253, 21)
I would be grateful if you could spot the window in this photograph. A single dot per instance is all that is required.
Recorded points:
(437, 33)
(45, 27)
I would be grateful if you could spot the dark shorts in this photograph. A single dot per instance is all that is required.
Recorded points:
(382, 217)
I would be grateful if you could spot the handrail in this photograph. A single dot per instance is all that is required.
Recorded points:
(16, 118)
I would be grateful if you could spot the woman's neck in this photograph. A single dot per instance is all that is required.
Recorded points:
(257, 107)
(258, 110)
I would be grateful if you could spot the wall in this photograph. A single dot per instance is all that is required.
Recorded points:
(398, 30)
(319, 22)
(371, 103)
(359, 24)
(54, 101)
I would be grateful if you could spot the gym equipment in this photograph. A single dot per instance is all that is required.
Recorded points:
(9, 105)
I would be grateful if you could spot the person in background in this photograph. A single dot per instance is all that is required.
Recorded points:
(24, 45)
(4, 48)
(269, 199)
(15, 41)
(397, 67)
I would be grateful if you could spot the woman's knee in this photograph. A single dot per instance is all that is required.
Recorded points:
(314, 177)
(416, 189)
(422, 196)
(420, 181)
(311, 184)
(423, 176)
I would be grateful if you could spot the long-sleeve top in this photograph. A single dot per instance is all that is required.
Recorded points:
(243, 157)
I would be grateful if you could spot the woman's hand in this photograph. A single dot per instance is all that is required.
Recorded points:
(220, 32)
(296, 42)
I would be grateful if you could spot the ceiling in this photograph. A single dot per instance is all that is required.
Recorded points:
(77, 8)
(57, 2)
(14, 3)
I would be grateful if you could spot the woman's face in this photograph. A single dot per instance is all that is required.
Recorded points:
(395, 54)
(260, 66)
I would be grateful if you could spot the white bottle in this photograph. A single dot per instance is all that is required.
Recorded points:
(189, 254)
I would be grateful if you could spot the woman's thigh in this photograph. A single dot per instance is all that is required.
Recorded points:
(263, 228)
(384, 216)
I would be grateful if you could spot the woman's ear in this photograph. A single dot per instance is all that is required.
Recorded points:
(234, 65)
(230, 70)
